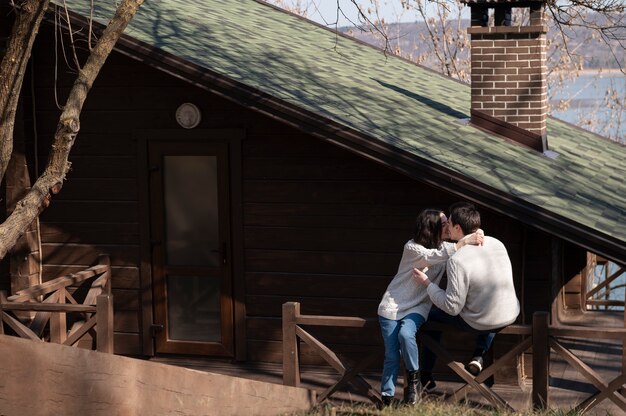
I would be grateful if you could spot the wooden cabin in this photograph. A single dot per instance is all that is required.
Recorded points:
(233, 157)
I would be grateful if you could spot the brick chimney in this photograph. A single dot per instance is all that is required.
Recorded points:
(509, 73)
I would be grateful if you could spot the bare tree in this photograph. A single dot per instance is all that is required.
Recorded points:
(606, 19)
(29, 14)
(442, 43)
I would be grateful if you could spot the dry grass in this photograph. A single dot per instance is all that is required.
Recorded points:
(424, 408)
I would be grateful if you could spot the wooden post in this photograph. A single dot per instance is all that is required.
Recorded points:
(291, 365)
(58, 322)
(104, 323)
(106, 260)
(541, 360)
(3, 299)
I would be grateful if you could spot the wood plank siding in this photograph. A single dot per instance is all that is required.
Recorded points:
(321, 226)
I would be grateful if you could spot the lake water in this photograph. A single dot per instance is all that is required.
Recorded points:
(587, 93)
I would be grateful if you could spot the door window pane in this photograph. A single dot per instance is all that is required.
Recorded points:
(191, 213)
(193, 305)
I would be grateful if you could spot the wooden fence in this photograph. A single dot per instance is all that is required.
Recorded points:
(51, 303)
(540, 336)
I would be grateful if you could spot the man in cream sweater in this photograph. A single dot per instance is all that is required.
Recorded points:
(480, 294)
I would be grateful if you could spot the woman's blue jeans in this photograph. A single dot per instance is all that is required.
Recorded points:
(399, 338)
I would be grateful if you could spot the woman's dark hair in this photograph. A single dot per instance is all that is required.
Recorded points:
(428, 228)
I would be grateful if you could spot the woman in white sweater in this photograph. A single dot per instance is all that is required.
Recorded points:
(405, 304)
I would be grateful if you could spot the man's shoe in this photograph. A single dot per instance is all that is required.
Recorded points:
(475, 366)
(428, 382)
(387, 401)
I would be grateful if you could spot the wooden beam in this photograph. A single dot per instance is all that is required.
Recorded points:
(19, 328)
(104, 318)
(348, 378)
(598, 302)
(49, 307)
(291, 364)
(462, 392)
(58, 321)
(608, 390)
(541, 360)
(611, 390)
(55, 284)
(79, 331)
(41, 319)
(587, 332)
(459, 369)
(515, 329)
(343, 321)
(328, 355)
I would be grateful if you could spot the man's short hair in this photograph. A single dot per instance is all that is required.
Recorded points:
(465, 215)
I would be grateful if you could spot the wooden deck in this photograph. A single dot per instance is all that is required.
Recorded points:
(567, 386)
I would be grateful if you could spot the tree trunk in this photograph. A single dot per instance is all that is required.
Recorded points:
(51, 181)
(25, 255)
(12, 69)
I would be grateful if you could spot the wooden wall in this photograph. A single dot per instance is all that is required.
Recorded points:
(322, 226)
(326, 229)
(98, 207)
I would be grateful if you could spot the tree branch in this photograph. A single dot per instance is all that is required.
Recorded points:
(51, 181)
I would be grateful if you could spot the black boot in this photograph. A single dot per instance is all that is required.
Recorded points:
(413, 387)
(387, 401)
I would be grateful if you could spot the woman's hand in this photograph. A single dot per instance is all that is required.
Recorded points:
(477, 238)
(420, 277)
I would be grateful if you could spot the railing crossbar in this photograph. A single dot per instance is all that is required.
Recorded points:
(329, 356)
(491, 370)
(609, 389)
(610, 392)
(603, 333)
(340, 321)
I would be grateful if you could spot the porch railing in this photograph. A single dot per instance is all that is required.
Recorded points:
(52, 303)
(541, 336)
(293, 332)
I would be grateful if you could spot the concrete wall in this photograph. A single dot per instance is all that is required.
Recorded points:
(46, 379)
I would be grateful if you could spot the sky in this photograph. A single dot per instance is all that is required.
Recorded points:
(325, 11)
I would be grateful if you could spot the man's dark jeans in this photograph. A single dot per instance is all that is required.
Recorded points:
(483, 341)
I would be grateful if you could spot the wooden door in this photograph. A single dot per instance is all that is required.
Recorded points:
(190, 238)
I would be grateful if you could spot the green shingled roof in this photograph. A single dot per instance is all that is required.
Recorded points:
(388, 99)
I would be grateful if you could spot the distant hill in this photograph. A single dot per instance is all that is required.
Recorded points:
(409, 39)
